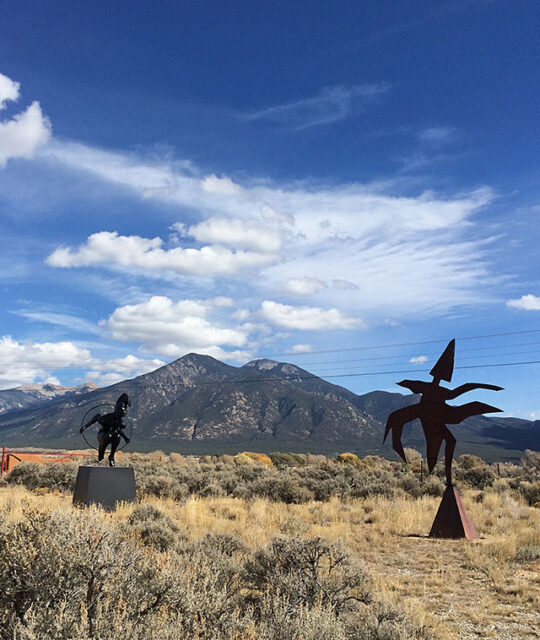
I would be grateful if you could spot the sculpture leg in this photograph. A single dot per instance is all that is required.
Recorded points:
(115, 441)
(395, 423)
(103, 442)
(448, 454)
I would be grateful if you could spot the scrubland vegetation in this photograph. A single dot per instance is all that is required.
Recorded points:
(279, 547)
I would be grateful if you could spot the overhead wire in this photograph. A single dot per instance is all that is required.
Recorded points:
(409, 344)
(495, 348)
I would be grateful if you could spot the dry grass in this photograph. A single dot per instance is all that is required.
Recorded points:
(459, 589)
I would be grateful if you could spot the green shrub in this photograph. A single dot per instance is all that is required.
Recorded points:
(530, 491)
(478, 477)
(287, 459)
(60, 475)
(433, 486)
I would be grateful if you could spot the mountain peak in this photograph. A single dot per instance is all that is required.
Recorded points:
(283, 368)
(196, 358)
(263, 364)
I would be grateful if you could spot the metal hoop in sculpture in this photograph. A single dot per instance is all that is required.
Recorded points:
(109, 406)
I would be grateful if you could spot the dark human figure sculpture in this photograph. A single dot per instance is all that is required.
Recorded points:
(112, 427)
(435, 414)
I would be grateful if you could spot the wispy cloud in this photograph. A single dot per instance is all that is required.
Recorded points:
(331, 239)
(438, 136)
(330, 105)
(61, 319)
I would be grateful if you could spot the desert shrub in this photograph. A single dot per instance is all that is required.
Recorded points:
(291, 491)
(280, 621)
(287, 459)
(348, 458)
(25, 473)
(530, 492)
(411, 485)
(528, 553)
(414, 458)
(384, 621)
(154, 527)
(315, 459)
(243, 459)
(260, 458)
(306, 572)
(369, 484)
(60, 475)
(74, 574)
(477, 477)
(530, 465)
(468, 461)
(376, 462)
(433, 486)
(221, 543)
(161, 485)
(158, 456)
(225, 458)
(75, 564)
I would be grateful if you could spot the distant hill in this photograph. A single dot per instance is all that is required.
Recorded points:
(34, 395)
(198, 404)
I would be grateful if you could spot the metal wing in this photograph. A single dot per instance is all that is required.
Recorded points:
(455, 415)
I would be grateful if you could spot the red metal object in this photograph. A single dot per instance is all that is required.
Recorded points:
(10, 459)
(452, 520)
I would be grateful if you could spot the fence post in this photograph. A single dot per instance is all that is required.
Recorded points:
(3, 458)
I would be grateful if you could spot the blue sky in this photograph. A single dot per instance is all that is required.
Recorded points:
(341, 185)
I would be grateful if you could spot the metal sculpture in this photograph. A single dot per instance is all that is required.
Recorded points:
(111, 429)
(435, 414)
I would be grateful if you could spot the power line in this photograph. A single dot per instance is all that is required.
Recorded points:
(354, 375)
(32, 367)
(410, 344)
(507, 355)
(495, 348)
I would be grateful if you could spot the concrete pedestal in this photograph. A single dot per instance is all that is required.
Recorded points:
(105, 486)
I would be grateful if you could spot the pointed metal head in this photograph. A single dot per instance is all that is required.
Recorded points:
(444, 366)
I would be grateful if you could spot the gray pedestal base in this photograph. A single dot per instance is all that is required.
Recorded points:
(105, 486)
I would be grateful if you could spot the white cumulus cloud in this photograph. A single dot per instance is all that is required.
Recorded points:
(118, 369)
(21, 135)
(109, 248)
(236, 232)
(306, 318)
(418, 360)
(301, 348)
(526, 303)
(175, 328)
(27, 362)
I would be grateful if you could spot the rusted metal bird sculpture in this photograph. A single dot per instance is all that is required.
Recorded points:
(435, 414)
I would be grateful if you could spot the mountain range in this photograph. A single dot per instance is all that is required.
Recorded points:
(34, 395)
(198, 404)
